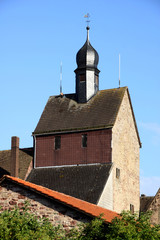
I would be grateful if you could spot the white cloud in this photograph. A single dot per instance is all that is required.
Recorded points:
(149, 185)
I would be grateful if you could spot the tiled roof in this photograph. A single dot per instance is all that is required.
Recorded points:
(82, 206)
(84, 182)
(62, 114)
(25, 158)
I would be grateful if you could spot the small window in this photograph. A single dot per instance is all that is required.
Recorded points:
(82, 78)
(57, 143)
(84, 140)
(132, 208)
(117, 173)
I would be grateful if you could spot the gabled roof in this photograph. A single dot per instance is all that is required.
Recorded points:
(146, 201)
(25, 158)
(63, 114)
(82, 206)
(84, 182)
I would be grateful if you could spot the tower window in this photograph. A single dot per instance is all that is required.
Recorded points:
(57, 143)
(117, 173)
(84, 140)
(82, 78)
(132, 208)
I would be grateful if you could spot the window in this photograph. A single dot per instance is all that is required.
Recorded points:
(57, 143)
(82, 78)
(117, 173)
(84, 140)
(132, 208)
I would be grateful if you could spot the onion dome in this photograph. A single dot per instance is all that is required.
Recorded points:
(87, 56)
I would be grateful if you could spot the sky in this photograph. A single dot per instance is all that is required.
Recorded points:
(36, 35)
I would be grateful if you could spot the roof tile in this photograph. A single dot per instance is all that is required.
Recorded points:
(85, 207)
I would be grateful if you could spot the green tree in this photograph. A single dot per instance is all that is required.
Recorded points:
(129, 226)
(19, 224)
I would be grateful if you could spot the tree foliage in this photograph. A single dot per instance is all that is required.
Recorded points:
(19, 224)
(130, 226)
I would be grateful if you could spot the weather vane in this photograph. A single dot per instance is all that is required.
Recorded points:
(87, 16)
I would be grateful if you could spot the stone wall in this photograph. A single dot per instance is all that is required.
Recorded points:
(125, 157)
(12, 195)
(155, 208)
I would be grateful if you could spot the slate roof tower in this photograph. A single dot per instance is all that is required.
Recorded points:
(87, 73)
(87, 143)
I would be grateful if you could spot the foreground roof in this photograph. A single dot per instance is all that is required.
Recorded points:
(62, 114)
(83, 182)
(82, 206)
(25, 158)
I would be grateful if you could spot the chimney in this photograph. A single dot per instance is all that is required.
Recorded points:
(15, 156)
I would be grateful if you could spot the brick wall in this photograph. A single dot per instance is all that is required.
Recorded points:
(12, 195)
(125, 156)
(98, 149)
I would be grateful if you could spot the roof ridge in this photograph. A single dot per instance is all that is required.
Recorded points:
(83, 206)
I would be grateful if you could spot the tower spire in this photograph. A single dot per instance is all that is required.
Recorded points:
(87, 16)
(87, 73)
(87, 33)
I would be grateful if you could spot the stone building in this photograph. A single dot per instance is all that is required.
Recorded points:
(86, 144)
(151, 203)
(57, 207)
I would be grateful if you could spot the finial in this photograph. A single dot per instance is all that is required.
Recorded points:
(87, 21)
(61, 79)
(119, 71)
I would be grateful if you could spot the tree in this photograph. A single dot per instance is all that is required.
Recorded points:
(20, 224)
(129, 226)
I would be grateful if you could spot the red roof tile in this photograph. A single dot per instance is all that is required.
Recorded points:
(83, 206)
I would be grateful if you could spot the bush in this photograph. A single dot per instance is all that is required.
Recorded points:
(130, 226)
(19, 224)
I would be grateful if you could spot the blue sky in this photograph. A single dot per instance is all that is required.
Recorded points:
(36, 35)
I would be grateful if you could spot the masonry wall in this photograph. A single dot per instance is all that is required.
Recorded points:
(155, 208)
(98, 149)
(125, 156)
(12, 195)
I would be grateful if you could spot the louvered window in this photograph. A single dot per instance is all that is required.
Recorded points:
(57, 143)
(84, 140)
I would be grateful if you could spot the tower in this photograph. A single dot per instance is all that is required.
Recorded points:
(87, 73)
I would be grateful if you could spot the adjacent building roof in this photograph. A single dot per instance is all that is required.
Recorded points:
(83, 182)
(146, 201)
(63, 114)
(25, 158)
(79, 205)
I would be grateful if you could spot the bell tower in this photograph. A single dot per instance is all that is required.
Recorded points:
(87, 73)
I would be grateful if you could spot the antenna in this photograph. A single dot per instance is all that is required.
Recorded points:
(119, 70)
(88, 19)
(61, 78)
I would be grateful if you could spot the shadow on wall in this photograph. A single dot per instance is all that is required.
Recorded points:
(3, 172)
